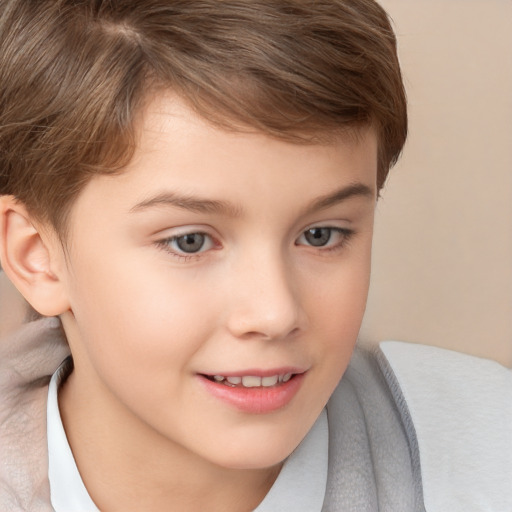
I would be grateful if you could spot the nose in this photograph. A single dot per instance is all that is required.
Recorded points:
(265, 300)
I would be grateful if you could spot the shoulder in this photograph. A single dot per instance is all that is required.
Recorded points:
(29, 354)
(461, 409)
(373, 462)
(422, 428)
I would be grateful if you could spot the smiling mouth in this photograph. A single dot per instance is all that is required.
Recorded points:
(253, 393)
(251, 381)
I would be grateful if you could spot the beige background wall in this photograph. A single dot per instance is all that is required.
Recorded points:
(442, 271)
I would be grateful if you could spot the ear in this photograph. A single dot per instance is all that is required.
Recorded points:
(29, 257)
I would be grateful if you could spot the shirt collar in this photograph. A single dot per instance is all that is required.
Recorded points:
(67, 490)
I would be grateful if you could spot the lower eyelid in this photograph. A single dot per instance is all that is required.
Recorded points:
(345, 236)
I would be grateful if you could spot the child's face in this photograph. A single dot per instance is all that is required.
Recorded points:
(218, 254)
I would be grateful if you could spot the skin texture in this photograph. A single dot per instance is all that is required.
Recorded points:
(144, 320)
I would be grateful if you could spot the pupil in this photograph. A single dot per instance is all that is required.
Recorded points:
(190, 243)
(318, 236)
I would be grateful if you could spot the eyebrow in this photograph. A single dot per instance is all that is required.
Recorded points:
(192, 203)
(341, 195)
(200, 205)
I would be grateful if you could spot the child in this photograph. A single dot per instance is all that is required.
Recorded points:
(190, 187)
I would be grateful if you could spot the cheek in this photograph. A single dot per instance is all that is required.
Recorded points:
(339, 307)
(336, 311)
(341, 299)
(137, 333)
(134, 313)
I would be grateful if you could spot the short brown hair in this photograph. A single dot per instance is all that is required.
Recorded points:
(74, 74)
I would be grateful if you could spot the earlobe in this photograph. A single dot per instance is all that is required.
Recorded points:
(28, 258)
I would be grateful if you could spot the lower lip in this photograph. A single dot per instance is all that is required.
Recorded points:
(258, 400)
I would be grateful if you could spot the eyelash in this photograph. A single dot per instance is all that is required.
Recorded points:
(165, 244)
(345, 234)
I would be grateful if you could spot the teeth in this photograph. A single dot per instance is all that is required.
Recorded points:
(269, 381)
(252, 381)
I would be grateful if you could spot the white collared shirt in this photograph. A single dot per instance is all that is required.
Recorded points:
(300, 485)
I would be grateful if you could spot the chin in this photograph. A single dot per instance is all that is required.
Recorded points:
(259, 461)
(264, 449)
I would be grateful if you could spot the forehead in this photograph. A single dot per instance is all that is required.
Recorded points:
(179, 151)
(165, 108)
(167, 119)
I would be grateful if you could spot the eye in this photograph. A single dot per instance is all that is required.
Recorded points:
(324, 237)
(188, 243)
(318, 237)
(191, 242)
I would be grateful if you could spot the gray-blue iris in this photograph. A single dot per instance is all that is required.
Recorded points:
(191, 242)
(318, 237)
